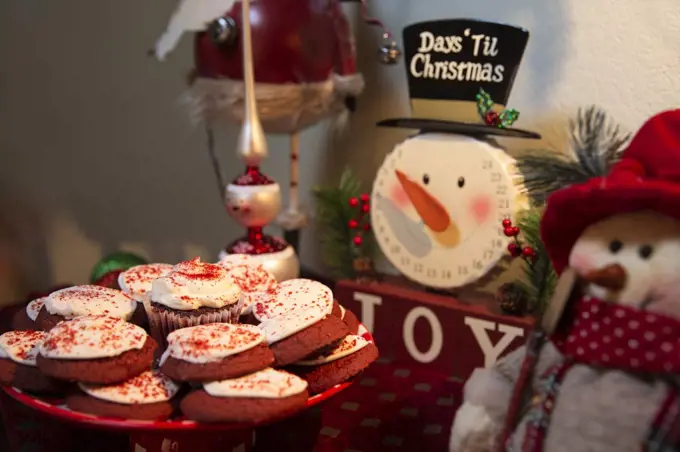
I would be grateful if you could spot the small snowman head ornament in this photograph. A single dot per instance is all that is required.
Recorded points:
(621, 235)
(253, 199)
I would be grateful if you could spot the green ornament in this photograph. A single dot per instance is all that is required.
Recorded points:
(113, 262)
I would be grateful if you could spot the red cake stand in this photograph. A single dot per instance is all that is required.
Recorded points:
(171, 435)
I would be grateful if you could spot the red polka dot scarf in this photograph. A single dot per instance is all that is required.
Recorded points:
(617, 337)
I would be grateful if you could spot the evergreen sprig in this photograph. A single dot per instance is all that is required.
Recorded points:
(539, 277)
(333, 214)
(596, 143)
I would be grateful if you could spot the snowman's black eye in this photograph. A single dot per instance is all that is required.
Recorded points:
(426, 179)
(461, 182)
(645, 251)
(615, 246)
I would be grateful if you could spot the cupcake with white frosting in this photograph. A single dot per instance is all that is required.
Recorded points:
(256, 283)
(193, 293)
(25, 319)
(136, 281)
(147, 396)
(78, 301)
(18, 367)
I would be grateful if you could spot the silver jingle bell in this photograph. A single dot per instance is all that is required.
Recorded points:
(223, 31)
(390, 53)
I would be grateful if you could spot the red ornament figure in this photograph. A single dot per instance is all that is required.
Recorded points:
(304, 67)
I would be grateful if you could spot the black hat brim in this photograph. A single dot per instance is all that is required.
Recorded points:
(460, 128)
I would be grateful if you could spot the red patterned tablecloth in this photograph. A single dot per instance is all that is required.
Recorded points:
(389, 408)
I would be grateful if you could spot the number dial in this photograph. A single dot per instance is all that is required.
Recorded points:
(490, 192)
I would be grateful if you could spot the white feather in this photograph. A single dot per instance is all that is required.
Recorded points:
(190, 15)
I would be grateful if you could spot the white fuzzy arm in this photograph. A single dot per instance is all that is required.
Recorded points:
(190, 15)
(486, 397)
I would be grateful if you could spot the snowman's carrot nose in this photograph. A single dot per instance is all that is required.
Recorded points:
(612, 277)
(429, 209)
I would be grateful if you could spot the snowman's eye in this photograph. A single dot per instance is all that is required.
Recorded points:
(645, 251)
(426, 179)
(461, 182)
(615, 246)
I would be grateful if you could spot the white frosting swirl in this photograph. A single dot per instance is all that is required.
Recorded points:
(255, 281)
(265, 384)
(285, 325)
(148, 387)
(342, 311)
(213, 342)
(33, 308)
(231, 260)
(21, 346)
(136, 281)
(350, 344)
(90, 300)
(194, 284)
(294, 294)
(91, 337)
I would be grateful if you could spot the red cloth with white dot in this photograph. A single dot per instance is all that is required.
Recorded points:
(619, 337)
(611, 336)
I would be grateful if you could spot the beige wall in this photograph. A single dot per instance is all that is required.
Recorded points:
(92, 139)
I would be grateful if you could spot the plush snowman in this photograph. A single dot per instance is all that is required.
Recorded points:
(607, 378)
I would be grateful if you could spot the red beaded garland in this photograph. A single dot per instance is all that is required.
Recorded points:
(364, 197)
(365, 208)
(353, 224)
(353, 202)
(357, 240)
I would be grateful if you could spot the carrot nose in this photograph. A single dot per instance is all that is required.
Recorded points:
(429, 209)
(612, 277)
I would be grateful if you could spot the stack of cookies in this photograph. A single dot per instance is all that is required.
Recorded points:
(225, 343)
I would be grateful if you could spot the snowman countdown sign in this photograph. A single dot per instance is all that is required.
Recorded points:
(440, 196)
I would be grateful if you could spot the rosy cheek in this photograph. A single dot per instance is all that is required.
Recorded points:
(480, 208)
(399, 196)
(581, 262)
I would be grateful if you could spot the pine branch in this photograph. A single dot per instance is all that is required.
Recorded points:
(540, 277)
(596, 144)
(333, 215)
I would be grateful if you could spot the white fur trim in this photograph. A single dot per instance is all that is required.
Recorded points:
(473, 430)
(284, 108)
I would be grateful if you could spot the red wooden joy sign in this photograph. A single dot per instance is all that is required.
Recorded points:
(420, 328)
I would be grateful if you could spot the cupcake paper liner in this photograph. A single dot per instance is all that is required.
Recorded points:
(163, 322)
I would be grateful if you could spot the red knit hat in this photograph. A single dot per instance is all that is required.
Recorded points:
(646, 178)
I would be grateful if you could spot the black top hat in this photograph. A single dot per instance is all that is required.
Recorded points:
(460, 74)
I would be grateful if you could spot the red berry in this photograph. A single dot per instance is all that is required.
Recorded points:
(365, 208)
(507, 223)
(353, 202)
(514, 250)
(515, 231)
(364, 197)
(367, 227)
(353, 224)
(528, 252)
(492, 119)
(357, 240)
(509, 232)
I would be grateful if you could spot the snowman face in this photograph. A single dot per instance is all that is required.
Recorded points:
(437, 205)
(647, 246)
(253, 205)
